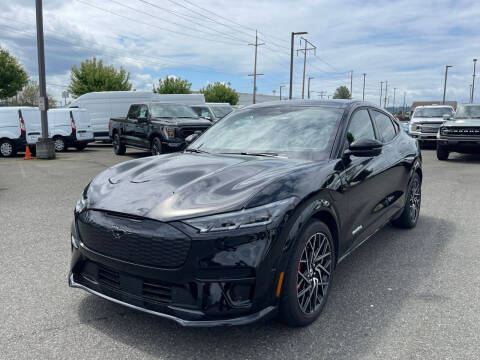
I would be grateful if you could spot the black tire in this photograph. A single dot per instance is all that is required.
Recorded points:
(409, 217)
(295, 308)
(156, 146)
(7, 148)
(118, 147)
(60, 144)
(80, 147)
(442, 153)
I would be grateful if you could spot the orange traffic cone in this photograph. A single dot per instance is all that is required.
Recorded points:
(28, 154)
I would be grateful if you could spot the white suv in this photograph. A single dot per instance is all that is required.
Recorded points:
(426, 121)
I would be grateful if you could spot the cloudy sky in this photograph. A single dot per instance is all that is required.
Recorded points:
(405, 42)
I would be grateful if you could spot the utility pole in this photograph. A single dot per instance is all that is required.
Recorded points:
(394, 91)
(304, 50)
(404, 94)
(385, 102)
(45, 146)
(445, 84)
(281, 86)
(308, 91)
(291, 61)
(255, 67)
(351, 83)
(381, 88)
(470, 94)
(473, 82)
(363, 94)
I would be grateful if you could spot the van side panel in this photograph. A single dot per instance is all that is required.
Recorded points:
(9, 123)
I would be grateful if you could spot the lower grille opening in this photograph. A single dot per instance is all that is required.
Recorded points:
(109, 277)
(160, 292)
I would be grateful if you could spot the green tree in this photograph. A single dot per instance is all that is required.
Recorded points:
(94, 76)
(30, 94)
(12, 75)
(220, 92)
(173, 85)
(342, 92)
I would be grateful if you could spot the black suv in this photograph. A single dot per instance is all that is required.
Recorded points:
(460, 134)
(252, 218)
(158, 127)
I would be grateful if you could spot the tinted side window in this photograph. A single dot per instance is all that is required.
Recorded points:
(133, 112)
(384, 125)
(143, 112)
(360, 126)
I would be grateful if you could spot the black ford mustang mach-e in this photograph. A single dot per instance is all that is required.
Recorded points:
(251, 219)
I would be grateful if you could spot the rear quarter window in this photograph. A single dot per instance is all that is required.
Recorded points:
(387, 129)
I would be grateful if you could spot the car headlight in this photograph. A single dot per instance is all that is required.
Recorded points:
(261, 215)
(82, 202)
(168, 132)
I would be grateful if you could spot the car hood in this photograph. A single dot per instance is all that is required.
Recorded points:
(427, 120)
(463, 122)
(182, 185)
(183, 121)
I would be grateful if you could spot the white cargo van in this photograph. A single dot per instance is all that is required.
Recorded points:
(102, 106)
(69, 127)
(18, 126)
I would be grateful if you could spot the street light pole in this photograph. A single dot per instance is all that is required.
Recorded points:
(308, 91)
(363, 94)
(291, 61)
(473, 82)
(445, 83)
(381, 89)
(45, 146)
(394, 91)
(351, 83)
(385, 102)
(281, 86)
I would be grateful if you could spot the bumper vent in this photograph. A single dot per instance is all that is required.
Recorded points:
(157, 292)
(109, 278)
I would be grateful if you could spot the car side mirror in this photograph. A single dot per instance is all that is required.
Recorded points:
(364, 148)
(142, 119)
(191, 138)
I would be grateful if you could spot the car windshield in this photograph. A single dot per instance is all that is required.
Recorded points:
(288, 131)
(172, 111)
(221, 110)
(433, 112)
(468, 112)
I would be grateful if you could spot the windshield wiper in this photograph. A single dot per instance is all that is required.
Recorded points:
(197, 151)
(267, 154)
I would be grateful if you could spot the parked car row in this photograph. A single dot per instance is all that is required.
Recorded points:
(451, 131)
(21, 126)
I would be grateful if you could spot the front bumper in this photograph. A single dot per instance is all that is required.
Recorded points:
(242, 320)
(226, 279)
(460, 144)
(423, 136)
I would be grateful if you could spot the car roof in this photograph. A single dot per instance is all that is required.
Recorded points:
(337, 103)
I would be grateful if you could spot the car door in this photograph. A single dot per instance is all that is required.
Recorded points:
(130, 124)
(141, 126)
(362, 180)
(394, 170)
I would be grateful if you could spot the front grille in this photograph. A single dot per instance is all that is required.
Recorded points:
(189, 130)
(430, 128)
(461, 131)
(144, 242)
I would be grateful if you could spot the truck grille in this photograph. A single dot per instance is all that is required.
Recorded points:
(461, 131)
(189, 130)
(430, 128)
(144, 242)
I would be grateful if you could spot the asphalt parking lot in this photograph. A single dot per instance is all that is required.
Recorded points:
(404, 294)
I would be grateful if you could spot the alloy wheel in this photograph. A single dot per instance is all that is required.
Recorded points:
(415, 199)
(313, 275)
(6, 149)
